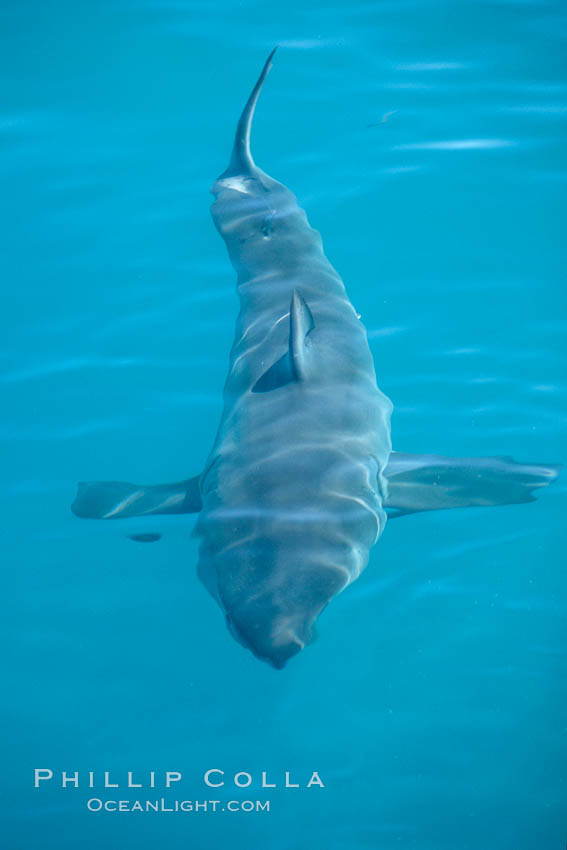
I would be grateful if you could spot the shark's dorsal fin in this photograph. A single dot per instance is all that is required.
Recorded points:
(292, 366)
(300, 325)
(277, 376)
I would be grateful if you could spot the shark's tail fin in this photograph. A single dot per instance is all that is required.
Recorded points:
(241, 161)
(119, 499)
(433, 482)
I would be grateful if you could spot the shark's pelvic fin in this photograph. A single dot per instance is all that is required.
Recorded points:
(241, 162)
(292, 366)
(415, 483)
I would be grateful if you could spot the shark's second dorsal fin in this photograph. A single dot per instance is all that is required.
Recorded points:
(241, 162)
(292, 366)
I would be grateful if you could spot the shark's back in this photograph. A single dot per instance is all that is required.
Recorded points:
(292, 492)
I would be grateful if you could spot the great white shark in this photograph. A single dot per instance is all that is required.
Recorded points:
(301, 476)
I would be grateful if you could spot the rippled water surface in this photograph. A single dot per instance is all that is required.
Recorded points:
(426, 140)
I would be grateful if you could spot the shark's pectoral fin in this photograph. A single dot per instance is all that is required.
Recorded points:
(415, 483)
(293, 365)
(119, 499)
(432, 482)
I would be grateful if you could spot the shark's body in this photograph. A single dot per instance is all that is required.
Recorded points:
(292, 491)
(293, 495)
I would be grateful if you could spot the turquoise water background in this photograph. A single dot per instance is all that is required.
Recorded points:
(433, 702)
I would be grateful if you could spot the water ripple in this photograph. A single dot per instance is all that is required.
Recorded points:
(74, 364)
(430, 66)
(457, 145)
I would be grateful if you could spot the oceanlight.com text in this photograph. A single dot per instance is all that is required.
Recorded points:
(95, 804)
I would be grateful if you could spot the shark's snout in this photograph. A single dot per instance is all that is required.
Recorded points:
(273, 607)
(280, 655)
(273, 639)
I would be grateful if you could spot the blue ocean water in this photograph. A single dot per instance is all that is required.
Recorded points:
(426, 141)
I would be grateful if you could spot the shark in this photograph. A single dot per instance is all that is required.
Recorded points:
(301, 478)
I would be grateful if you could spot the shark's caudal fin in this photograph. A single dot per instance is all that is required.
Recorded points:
(241, 162)
(415, 483)
(433, 482)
